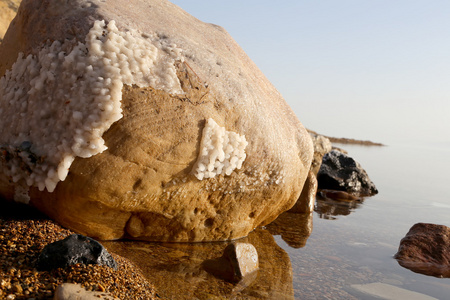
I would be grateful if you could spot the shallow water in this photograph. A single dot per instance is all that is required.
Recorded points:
(341, 251)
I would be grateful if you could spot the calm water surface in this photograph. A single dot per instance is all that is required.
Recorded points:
(341, 251)
(356, 245)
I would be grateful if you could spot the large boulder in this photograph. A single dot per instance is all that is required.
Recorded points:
(133, 119)
(426, 249)
(342, 173)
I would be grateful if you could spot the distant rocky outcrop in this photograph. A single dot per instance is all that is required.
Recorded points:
(154, 125)
(426, 249)
(347, 140)
(342, 173)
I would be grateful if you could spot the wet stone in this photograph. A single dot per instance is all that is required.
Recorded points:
(342, 173)
(426, 249)
(239, 262)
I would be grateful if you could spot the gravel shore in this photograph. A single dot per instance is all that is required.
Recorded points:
(23, 234)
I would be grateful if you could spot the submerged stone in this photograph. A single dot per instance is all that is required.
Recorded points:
(238, 262)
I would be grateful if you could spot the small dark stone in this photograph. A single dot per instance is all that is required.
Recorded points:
(342, 173)
(25, 146)
(72, 250)
(426, 249)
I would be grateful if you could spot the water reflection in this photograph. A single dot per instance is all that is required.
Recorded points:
(330, 204)
(177, 273)
(430, 269)
(294, 228)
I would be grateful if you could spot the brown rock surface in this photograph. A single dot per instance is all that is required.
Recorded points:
(142, 187)
(8, 10)
(426, 249)
(71, 291)
(305, 204)
(322, 146)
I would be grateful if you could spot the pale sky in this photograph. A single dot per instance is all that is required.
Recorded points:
(365, 69)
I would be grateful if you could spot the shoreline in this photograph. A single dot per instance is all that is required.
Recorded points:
(347, 141)
(23, 234)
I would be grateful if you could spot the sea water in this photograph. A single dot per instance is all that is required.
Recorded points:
(350, 254)
(341, 251)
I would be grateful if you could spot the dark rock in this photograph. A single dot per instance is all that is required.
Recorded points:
(238, 262)
(341, 172)
(426, 249)
(72, 250)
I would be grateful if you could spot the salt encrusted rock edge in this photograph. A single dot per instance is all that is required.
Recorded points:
(77, 91)
(221, 151)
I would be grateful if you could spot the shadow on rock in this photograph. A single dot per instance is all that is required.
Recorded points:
(294, 228)
(177, 269)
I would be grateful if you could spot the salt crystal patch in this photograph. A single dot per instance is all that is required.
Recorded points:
(62, 100)
(221, 151)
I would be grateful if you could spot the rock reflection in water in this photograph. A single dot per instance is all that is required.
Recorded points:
(328, 208)
(294, 228)
(177, 273)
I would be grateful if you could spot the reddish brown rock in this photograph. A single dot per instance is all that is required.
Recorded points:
(426, 249)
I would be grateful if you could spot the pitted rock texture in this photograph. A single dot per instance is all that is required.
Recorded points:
(426, 249)
(142, 186)
(342, 173)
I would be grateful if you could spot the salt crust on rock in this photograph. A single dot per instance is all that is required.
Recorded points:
(56, 106)
(221, 151)
(143, 186)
